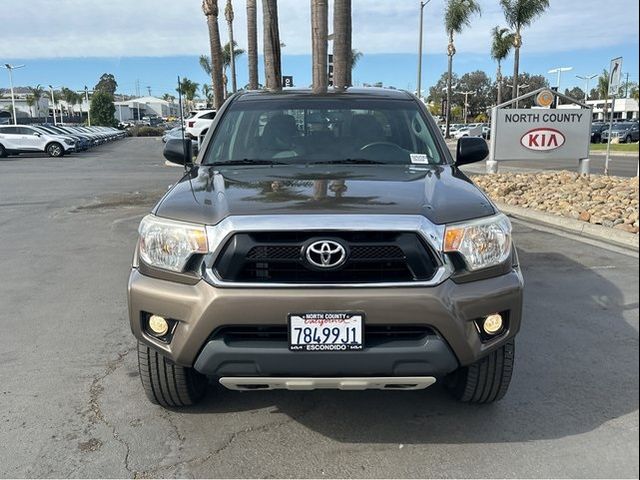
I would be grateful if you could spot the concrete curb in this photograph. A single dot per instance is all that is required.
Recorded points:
(597, 232)
(603, 153)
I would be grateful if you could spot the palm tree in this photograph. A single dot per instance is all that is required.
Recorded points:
(342, 53)
(252, 43)
(272, 60)
(457, 15)
(30, 103)
(205, 62)
(228, 14)
(69, 97)
(208, 94)
(189, 89)
(520, 14)
(500, 47)
(210, 9)
(37, 92)
(319, 32)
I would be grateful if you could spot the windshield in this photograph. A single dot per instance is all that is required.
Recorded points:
(621, 126)
(321, 130)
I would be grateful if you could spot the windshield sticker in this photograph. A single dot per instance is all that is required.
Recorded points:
(419, 158)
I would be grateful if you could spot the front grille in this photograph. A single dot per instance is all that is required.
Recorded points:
(278, 257)
(373, 334)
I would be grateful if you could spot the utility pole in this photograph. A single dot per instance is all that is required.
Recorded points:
(587, 79)
(138, 97)
(520, 87)
(466, 102)
(626, 86)
(149, 90)
(10, 68)
(419, 83)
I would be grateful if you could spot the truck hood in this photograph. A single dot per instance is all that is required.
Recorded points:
(441, 193)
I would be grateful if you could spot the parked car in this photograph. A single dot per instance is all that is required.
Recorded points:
(198, 123)
(16, 139)
(175, 132)
(82, 143)
(596, 132)
(624, 132)
(352, 256)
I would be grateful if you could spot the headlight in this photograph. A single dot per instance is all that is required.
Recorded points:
(482, 243)
(169, 244)
(68, 141)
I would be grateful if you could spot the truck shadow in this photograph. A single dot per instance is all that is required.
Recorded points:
(576, 368)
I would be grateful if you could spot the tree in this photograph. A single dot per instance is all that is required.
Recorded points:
(107, 83)
(603, 91)
(103, 110)
(167, 97)
(520, 14)
(30, 103)
(482, 98)
(457, 15)
(575, 92)
(534, 82)
(228, 14)
(356, 56)
(208, 94)
(502, 41)
(188, 89)
(272, 57)
(437, 93)
(319, 32)
(37, 92)
(342, 52)
(210, 10)
(70, 97)
(205, 62)
(252, 44)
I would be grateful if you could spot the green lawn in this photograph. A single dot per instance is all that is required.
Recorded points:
(615, 147)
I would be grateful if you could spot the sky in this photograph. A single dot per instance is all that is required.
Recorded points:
(150, 42)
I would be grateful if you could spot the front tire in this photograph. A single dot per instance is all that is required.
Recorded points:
(55, 150)
(486, 380)
(3, 152)
(166, 383)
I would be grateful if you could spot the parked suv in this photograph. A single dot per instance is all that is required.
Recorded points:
(198, 123)
(325, 241)
(15, 139)
(625, 132)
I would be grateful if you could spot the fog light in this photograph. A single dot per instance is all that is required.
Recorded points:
(158, 325)
(492, 324)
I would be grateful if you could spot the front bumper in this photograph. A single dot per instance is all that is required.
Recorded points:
(448, 308)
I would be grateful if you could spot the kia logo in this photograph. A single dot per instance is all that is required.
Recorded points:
(542, 139)
(326, 254)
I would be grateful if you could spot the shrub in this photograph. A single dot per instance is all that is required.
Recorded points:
(146, 131)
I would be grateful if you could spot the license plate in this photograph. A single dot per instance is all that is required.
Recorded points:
(326, 331)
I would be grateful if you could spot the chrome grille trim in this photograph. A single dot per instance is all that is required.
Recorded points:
(433, 235)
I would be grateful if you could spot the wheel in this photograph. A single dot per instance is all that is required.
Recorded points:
(485, 381)
(627, 139)
(55, 150)
(166, 383)
(3, 152)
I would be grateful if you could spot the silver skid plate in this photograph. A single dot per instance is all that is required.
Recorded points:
(339, 383)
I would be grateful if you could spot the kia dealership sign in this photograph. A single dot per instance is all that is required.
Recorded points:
(541, 134)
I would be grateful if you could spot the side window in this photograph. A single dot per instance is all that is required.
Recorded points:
(25, 131)
(9, 130)
(208, 116)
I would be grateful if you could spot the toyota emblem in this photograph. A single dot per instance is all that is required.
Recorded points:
(326, 254)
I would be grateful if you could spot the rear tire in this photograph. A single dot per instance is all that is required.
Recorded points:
(166, 383)
(55, 150)
(3, 152)
(485, 381)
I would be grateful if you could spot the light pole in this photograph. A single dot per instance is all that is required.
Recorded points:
(520, 87)
(86, 96)
(53, 102)
(466, 102)
(419, 83)
(587, 79)
(10, 68)
(559, 71)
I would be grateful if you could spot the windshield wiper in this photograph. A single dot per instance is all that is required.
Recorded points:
(350, 161)
(248, 161)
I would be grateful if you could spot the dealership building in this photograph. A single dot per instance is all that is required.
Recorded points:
(625, 109)
(136, 108)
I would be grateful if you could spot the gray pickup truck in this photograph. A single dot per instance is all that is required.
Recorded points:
(325, 241)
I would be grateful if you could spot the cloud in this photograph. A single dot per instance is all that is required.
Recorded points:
(126, 28)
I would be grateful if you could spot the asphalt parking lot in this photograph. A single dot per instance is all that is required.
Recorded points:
(71, 404)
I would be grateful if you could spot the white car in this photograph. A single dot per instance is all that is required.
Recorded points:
(198, 122)
(16, 139)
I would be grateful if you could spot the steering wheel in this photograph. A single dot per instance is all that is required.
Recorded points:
(385, 151)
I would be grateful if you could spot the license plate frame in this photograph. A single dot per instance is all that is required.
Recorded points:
(350, 325)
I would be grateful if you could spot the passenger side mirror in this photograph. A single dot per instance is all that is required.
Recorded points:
(471, 150)
(36, 134)
(179, 151)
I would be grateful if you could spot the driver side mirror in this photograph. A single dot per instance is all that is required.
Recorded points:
(37, 134)
(179, 151)
(471, 150)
